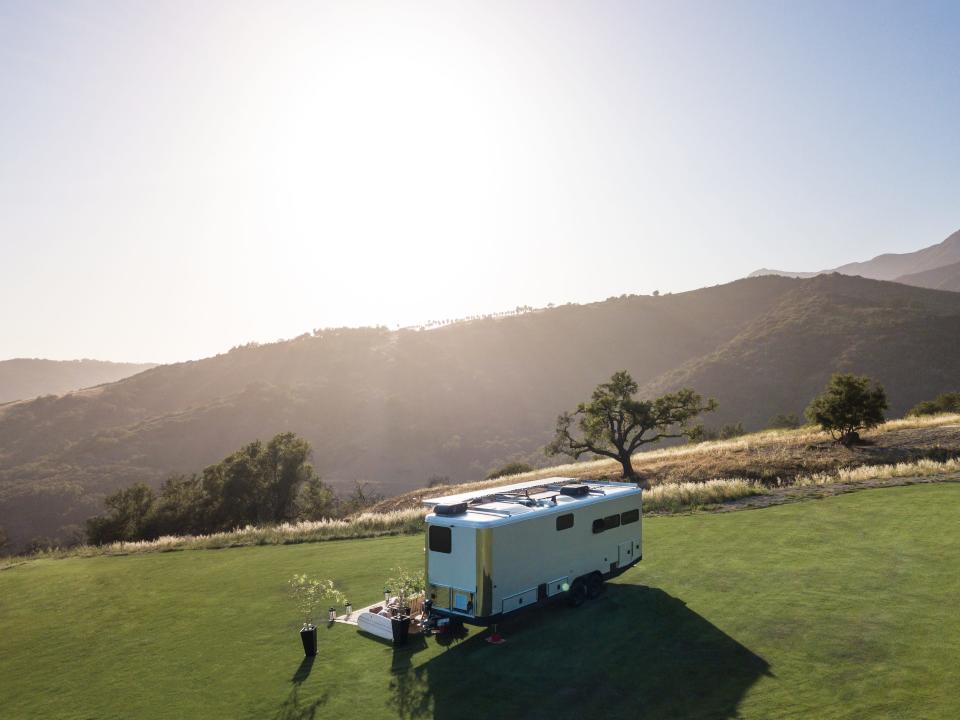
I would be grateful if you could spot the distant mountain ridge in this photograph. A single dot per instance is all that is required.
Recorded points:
(899, 267)
(26, 378)
(395, 408)
(946, 277)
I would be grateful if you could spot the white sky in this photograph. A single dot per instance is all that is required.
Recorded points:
(175, 181)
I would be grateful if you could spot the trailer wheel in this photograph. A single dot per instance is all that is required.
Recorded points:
(578, 593)
(594, 585)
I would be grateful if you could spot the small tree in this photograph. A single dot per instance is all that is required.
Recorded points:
(406, 585)
(614, 425)
(308, 594)
(850, 403)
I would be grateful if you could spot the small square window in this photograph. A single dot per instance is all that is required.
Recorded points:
(630, 516)
(441, 539)
(565, 522)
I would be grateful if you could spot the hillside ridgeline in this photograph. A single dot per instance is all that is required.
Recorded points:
(908, 268)
(395, 408)
(26, 378)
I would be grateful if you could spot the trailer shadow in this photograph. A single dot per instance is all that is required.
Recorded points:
(635, 652)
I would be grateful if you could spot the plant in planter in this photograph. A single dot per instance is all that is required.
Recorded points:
(406, 586)
(309, 594)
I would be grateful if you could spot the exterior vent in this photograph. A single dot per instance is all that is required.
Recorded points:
(457, 509)
(575, 490)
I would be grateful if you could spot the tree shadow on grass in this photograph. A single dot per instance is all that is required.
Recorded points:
(292, 707)
(635, 652)
(303, 672)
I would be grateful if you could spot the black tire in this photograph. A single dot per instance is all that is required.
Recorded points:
(595, 585)
(578, 593)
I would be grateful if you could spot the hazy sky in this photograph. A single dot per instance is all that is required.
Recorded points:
(180, 177)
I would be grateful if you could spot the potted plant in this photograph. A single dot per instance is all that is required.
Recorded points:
(406, 586)
(309, 594)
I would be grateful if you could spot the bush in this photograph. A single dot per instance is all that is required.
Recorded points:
(945, 403)
(848, 404)
(513, 468)
(784, 422)
(725, 432)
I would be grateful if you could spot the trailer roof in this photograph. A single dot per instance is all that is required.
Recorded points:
(487, 492)
(503, 503)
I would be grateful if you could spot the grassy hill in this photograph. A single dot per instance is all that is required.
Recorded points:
(396, 408)
(24, 378)
(829, 609)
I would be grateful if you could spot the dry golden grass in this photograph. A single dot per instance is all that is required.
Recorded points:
(689, 495)
(770, 456)
(865, 473)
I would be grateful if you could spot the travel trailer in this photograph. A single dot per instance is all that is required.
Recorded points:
(495, 551)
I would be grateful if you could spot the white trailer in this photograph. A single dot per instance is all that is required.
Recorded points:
(495, 551)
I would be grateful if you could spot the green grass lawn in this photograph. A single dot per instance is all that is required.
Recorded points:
(840, 608)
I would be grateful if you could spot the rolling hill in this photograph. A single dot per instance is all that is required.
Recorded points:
(395, 408)
(25, 378)
(946, 277)
(907, 268)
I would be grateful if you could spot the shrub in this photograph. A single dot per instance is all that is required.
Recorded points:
(945, 403)
(784, 422)
(725, 432)
(513, 468)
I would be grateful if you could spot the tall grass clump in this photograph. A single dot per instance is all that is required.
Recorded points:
(674, 496)
(865, 473)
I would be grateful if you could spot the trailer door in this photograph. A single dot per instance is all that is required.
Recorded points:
(626, 554)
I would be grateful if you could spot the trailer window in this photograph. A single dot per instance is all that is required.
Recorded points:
(441, 539)
(630, 516)
(607, 523)
(565, 522)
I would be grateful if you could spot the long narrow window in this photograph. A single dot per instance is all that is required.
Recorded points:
(565, 522)
(611, 521)
(630, 516)
(441, 539)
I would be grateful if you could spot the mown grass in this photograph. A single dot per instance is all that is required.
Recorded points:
(836, 609)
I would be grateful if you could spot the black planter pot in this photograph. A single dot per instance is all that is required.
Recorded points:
(308, 636)
(401, 629)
